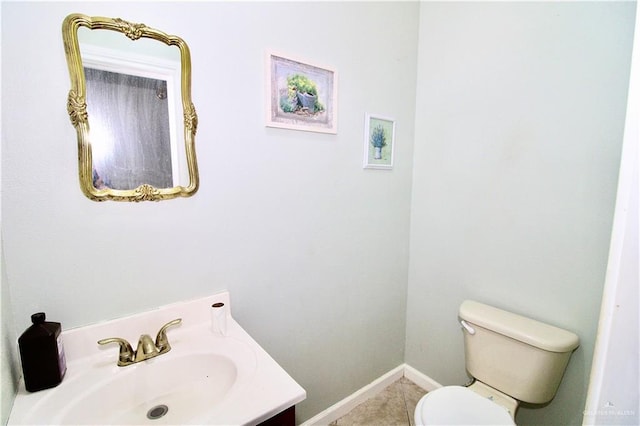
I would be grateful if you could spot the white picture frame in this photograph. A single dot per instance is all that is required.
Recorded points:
(379, 141)
(285, 107)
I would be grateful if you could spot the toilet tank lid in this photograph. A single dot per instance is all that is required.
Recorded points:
(526, 330)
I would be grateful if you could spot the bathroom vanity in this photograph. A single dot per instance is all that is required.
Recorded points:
(214, 373)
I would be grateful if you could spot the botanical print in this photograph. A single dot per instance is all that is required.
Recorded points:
(301, 96)
(379, 142)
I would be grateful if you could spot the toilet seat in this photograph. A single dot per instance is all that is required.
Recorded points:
(457, 405)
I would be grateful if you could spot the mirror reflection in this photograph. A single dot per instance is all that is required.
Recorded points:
(129, 149)
(136, 123)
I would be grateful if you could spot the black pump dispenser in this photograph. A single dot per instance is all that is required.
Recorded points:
(42, 354)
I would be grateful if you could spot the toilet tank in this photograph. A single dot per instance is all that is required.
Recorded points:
(519, 356)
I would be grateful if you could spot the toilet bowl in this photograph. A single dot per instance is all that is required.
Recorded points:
(458, 405)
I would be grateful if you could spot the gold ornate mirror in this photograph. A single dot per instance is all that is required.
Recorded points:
(133, 83)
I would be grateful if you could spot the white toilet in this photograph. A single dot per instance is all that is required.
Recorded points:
(511, 358)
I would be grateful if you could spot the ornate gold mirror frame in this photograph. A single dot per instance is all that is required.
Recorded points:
(77, 108)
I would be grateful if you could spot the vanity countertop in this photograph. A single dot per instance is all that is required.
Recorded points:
(206, 378)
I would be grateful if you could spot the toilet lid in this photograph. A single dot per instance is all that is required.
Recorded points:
(457, 405)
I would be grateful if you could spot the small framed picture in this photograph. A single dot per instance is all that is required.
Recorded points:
(300, 96)
(379, 142)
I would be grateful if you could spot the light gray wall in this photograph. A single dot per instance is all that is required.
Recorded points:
(518, 128)
(519, 121)
(312, 248)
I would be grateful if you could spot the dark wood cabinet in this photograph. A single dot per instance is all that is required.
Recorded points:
(284, 418)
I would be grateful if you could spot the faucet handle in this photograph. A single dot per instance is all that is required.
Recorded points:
(162, 343)
(126, 351)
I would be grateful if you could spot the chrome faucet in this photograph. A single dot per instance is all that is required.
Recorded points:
(146, 346)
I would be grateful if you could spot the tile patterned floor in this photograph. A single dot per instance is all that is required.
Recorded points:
(394, 406)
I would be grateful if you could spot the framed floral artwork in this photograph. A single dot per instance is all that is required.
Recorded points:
(379, 142)
(300, 96)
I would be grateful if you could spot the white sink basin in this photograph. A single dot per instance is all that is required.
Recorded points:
(206, 378)
(160, 391)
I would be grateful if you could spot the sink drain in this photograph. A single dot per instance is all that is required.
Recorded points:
(157, 412)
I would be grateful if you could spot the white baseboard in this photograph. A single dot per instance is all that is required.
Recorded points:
(347, 404)
(422, 380)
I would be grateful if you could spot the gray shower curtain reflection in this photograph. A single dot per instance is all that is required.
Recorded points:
(129, 130)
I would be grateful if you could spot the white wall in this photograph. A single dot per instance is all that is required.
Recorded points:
(8, 352)
(312, 247)
(613, 396)
(519, 122)
(8, 362)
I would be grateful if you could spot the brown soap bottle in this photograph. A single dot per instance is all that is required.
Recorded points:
(42, 354)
